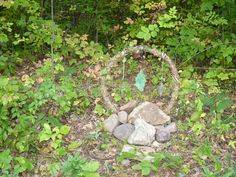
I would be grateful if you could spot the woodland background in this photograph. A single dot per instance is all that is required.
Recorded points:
(39, 95)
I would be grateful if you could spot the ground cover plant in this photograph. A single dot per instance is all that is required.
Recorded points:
(51, 104)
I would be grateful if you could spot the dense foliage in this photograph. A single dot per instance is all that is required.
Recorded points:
(38, 92)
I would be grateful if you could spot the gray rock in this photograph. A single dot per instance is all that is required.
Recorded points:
(149, 112)
(158, 127)
(111, 123)
(144, 133)
(122, 132)
(172, 128)
(123, 117)
(129, 106)
(125, 162)
(162, 136)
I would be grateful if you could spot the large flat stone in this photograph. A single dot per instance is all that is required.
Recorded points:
(144, 133)
(149, 112)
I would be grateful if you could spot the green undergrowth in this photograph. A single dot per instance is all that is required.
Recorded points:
(38, 94)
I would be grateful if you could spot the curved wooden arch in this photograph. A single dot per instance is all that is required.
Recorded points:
(154, 52)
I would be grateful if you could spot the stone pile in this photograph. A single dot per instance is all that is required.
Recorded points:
(141, 124)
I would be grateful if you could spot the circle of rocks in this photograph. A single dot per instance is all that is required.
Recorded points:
(141, 124)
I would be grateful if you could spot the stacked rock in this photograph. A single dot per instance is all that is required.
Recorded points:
(140, 124)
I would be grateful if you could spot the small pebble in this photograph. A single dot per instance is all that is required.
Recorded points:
(123, 117)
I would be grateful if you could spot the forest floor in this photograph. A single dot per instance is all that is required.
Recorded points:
(98, 145)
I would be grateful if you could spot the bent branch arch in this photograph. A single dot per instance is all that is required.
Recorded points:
(118, 57)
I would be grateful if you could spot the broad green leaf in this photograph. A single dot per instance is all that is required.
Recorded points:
(47, 128)
(145, 29)
(3, 82)
(152, 27)
(56, 143)
(127, 155)
(54, 168)
(74, 145)
(87, 174)
(59, 67)
(91, 166)
(5, 159)
(153, 33)
(146, 171)
(60, 151)
(44, 137)
(3, 38)
(140, 81)
(223, 76)
(141, 35)
(64, 129)
(223, 104)
(25, 163)
(147, 36)
(144, 34)
(21, 146)
(99, 110)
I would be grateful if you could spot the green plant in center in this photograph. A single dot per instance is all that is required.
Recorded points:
(55, 136)
(77, 166)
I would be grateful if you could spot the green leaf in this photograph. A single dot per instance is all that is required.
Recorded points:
(54, 168)
(144, 29)
(5, 159)
(146, 171)
(223, 76)
(59, 67)
(127, 155)
(25, 163)
(91, 166)
(153, 33)
(147, 36)
(74, 145)
(3, 38)
(86, 174)
(223, 104)
(144, 34)
(140, 35)
(144, 166)
(60, 151)
(64, 129)
(99, 110)
(3, 82)
(56, 143)
(140, 81)
(47, 128)
(44, 137)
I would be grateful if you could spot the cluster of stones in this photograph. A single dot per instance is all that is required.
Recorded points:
(140, 124)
